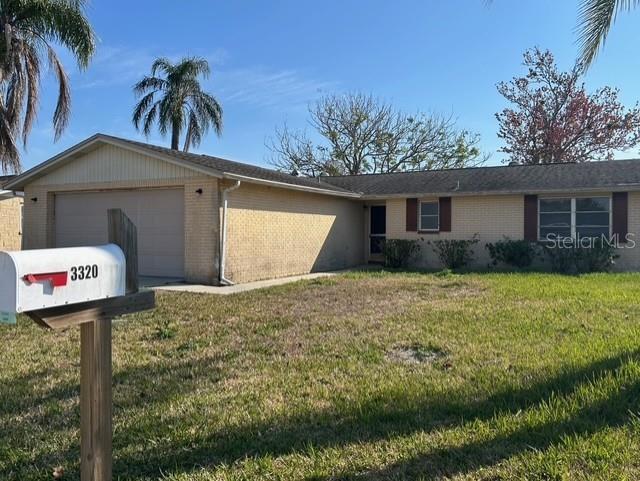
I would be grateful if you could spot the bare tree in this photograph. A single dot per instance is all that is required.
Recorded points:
(361, 134)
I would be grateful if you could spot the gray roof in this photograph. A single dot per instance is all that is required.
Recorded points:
(233, 167)
(607, 175)
(615, 175)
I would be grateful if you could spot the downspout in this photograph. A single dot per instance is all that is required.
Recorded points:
(223, 238)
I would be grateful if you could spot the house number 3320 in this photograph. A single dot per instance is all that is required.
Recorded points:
(80, 273)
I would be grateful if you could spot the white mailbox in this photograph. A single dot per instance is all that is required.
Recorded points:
(39, 279)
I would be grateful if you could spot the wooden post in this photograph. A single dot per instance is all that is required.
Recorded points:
(95, 401)
(94, 318)
(124, 234)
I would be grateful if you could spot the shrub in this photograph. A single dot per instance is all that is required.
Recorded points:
(575, 258)
(455, 253)
(515, 253)
(398, 252)
(599, 258)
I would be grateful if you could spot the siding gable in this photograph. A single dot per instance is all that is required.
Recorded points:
(109, 163)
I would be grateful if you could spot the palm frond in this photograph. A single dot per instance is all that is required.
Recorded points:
(60, 21)
(150, 118)
(181, 103)
(209, 107)
(9, 153)
(32, 68)
(194, 132)
(161, 64)
(193, 67)
(141, 109)
(62, 112)
(149, 83)
(595, 20)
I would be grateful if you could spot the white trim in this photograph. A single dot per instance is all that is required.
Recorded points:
(585, 190)
(223, 238)
(431, 201)
(285, 185)
(21, 180)
(573, 212)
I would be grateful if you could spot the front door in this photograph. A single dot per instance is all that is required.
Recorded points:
(378, 230)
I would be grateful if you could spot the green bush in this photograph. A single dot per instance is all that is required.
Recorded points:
(455, 253)
(514, 253)
(574, 258)
(398, 252)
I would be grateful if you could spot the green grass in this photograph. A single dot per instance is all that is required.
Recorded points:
(515, 376)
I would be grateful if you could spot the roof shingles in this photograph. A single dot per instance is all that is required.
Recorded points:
(615, 174)
(238, 168)
(596, 176)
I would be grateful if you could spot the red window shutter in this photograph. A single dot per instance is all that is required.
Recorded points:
(620, 214)
(445, 214)
(531, 217)
(412, 215)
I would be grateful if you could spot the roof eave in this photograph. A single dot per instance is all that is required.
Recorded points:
(20, 181)
(616, 188)
(285, 185)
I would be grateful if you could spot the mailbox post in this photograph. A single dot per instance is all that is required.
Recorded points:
(99, 291)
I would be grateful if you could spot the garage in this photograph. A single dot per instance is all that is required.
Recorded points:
(80, 218)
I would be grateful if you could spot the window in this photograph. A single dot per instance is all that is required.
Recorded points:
(574, 217)
(592, 217)
(429, 215)
(555, 218)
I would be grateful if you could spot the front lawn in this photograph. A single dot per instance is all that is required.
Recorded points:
(366, 376)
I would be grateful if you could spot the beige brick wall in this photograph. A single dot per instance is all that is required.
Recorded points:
(276, 232)
(10, 224)
(491, 217)
(201, 218)
(201, 230)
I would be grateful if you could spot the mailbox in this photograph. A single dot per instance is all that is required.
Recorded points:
(40, 279)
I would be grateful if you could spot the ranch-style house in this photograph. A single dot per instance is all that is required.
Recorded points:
(209, 220)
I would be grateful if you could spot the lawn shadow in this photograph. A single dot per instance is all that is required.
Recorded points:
(391, 416)
(137, 387)
(444, 463)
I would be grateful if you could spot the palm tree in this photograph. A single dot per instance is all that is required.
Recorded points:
(28, 28)
(596, 18)
(172, 95)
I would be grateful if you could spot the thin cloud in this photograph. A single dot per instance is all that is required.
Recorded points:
(115, 66)
(260, 87)
(121, 66)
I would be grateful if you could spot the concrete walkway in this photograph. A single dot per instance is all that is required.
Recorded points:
(249, 286)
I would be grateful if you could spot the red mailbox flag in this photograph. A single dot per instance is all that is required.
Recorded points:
(57, 279)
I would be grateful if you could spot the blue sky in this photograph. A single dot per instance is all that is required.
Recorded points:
(270, 59)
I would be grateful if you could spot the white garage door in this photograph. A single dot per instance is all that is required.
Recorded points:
(81, 219)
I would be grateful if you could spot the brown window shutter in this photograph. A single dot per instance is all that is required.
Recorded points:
(412, 215)
(445, 214)
(531, 217)
(620, 214)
